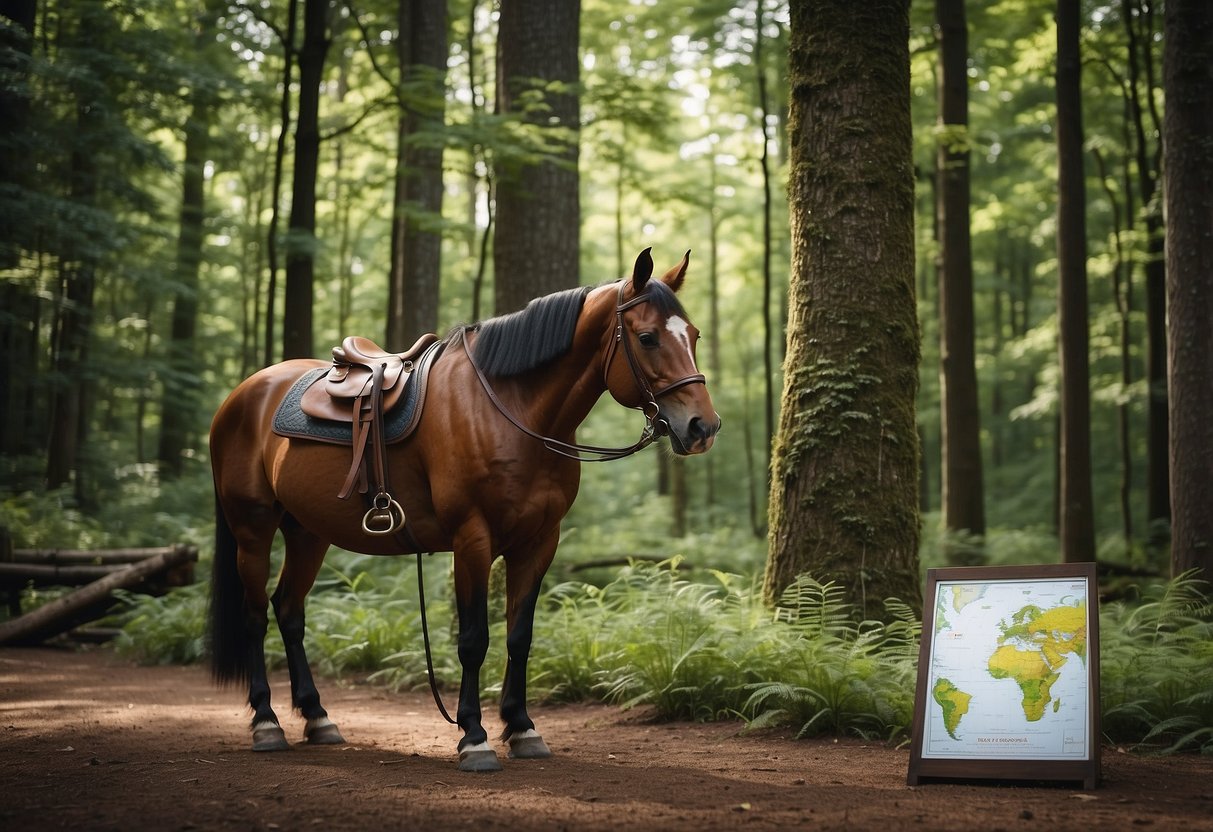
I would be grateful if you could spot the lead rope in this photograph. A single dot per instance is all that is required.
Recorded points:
(425, 635)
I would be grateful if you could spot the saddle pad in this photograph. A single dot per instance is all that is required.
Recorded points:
(398, 423)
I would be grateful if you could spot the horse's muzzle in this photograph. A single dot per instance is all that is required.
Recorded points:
(697, 436)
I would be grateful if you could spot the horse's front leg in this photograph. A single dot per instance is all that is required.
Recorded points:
(472, 560)
(524, 579)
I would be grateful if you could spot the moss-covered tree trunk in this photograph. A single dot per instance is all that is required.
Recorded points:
(844, 501)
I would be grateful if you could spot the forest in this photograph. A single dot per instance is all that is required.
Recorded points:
(191, 190)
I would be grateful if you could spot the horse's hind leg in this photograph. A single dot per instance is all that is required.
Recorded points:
(304, 556)
(252, 558)
(524, 577)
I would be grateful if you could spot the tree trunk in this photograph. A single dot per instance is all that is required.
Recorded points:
(1188, 131)
(18, 323)
(962, 501)
(179, 408)
(844, 502)
(1121, 295)
(416, 239)
(1158, 497)
(768, 334)
(538, 218)
(297, 309)
(284, 123)
(16, 46)
(1076, 511)
(73, 327)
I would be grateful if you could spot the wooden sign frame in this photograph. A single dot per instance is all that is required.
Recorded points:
(1001, 758)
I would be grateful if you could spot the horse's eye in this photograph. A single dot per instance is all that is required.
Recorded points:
(647, 339)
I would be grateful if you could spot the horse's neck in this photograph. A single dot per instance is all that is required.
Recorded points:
(557, 399)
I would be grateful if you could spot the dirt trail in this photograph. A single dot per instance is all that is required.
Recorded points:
(89, 741)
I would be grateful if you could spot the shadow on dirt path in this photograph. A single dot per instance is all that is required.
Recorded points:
(90, 741)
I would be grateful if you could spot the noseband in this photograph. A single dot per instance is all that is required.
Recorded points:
(654, 426)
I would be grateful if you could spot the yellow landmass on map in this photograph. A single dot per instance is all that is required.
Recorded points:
(1031, 672)
(1059, 631)
(1034, 647)
(953, 701)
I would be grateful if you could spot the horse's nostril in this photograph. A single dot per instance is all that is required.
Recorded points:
(697, 429)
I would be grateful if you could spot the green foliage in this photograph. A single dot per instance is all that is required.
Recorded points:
(165, 630)
(709, 649)
(1156, 667)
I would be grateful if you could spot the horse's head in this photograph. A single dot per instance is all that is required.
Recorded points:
(650, 363)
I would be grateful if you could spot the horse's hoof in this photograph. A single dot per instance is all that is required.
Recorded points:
(528, 745)
(270, 738)
(479, 758)
(324, 735)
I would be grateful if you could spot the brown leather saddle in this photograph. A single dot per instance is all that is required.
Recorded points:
(364, 383)
(345, 394)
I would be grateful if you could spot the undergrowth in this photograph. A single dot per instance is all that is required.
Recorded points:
(710, 649)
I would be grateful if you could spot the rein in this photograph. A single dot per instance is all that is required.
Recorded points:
(654, 426)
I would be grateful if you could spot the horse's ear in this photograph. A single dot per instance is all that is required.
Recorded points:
(673, 278)
(643, 270)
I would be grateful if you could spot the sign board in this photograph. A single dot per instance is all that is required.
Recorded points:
(1008, 675)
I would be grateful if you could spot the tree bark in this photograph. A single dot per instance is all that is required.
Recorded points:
(1076, 511)
(962, 496)
(538, 216)
(284, 118)
(844, 502)
(297, 309)
(1188, 131)
(413, 287)
(1136, 16)
(179, 408)
(16, 46)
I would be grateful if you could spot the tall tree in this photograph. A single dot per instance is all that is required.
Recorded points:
(1138, 18)
(297, 310)
(416, 251)
(962, 497)
(284, 122)
(1076, 512)
(844, 502)
(1188, 125)
(179, 409)
(18, 321)
(537, 238)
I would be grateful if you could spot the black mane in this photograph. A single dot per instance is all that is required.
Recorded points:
(530, 338)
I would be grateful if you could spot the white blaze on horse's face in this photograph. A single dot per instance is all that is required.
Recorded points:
(678, 327)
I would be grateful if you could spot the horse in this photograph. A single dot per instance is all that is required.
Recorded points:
(490, 470)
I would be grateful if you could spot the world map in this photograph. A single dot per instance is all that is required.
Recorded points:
(1007, 674)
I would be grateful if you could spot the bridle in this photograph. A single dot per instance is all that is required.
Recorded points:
(654, 425)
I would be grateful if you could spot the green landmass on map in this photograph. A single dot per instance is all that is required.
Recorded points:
(1033, 648)
(954, 703)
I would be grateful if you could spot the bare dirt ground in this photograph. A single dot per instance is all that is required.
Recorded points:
(89, 741)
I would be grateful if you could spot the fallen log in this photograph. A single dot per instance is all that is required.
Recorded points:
(21, 574)
(89, 602)
(67, 557)
(76, 567)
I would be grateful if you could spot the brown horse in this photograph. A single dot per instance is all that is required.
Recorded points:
(489, 472)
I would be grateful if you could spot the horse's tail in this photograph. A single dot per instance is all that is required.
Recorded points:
(226, 631)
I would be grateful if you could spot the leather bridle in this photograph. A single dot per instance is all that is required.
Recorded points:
(654, 425)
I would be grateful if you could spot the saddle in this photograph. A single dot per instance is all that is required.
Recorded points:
(365, 382)
(350, 380)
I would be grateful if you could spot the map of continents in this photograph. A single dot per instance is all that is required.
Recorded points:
(1007, 674)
